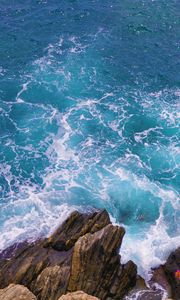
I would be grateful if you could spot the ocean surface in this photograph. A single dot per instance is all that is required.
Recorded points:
(89, 117)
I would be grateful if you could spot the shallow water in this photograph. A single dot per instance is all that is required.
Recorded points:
(89, 116)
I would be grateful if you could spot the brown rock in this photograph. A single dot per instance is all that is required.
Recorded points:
(159, 277)
(29, 260)
(25, 266)
(140, 283)
(45, 265)
(52, 282)
(16, 292)
(82, 254)
(96, 267)
(79, 295)
(75, 226)
(138, 289)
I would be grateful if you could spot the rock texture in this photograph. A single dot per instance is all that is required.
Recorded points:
(16, 292)
(76, 226)
(82, 254)
(79, 295)
(96, 267)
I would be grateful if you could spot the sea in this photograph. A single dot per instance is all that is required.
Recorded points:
(89, 118)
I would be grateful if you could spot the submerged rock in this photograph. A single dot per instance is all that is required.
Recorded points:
(82, 254)
(16, 292)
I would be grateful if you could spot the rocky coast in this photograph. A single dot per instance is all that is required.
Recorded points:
(81, 261)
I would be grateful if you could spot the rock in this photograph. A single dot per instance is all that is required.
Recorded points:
(16, 292)
(165, 275)
(82, 254)
(170, 268)
(76, 226)
(79, 295)
(96, 267)
(143, 292)
(148, 295)
(159, 277)
(52, 282)
(140, 283)
(138, 289)
(29, 260)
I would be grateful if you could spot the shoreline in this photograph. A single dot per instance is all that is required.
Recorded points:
(84, 243)
(143, 271)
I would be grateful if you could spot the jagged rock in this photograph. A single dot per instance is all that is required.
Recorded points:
(52, 282)
(76, 226)
(16, 292)
(82, 254)
(96, 267)
(79, 295)
(29, 260)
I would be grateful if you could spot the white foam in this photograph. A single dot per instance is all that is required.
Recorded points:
(148, 249)
(34, 212)
(33, 216)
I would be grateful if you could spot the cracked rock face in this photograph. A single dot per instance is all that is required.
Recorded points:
(81, 255)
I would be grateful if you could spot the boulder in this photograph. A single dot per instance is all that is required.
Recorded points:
(79, 295)
(16, 292)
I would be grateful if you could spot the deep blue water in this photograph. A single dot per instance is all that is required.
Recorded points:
(89, 116)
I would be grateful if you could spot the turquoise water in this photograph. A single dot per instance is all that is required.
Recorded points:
(89, 116)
